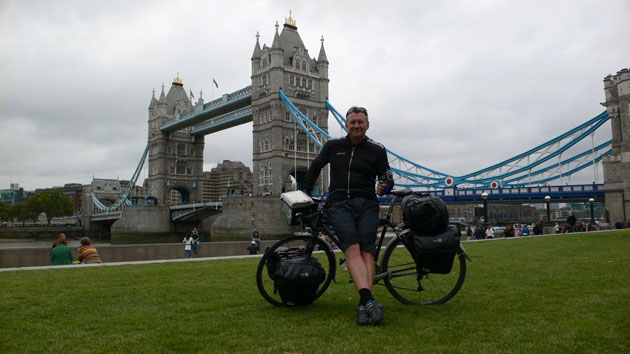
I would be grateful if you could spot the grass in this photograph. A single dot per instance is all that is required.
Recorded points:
(566, 293)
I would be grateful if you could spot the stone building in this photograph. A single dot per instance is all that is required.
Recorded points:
(282, 151)
(617, 164)
(228, 179)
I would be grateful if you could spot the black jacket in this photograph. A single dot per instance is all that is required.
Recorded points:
(353, 168)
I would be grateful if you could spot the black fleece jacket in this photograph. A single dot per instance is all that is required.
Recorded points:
(353, 168)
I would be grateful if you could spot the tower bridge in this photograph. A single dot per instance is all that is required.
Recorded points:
(287, 103)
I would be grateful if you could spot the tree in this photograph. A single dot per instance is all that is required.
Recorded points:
(4, 211)
(22, 212)
(51, 202)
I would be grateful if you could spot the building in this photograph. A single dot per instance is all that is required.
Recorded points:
(13, 195)
(228, 179)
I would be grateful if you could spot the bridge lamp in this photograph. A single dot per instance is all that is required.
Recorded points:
(547, 200)
(484, 196)
(592, 201)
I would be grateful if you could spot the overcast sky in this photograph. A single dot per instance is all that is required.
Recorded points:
(453, 85)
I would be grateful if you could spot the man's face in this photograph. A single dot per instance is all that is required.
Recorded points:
(357, 124)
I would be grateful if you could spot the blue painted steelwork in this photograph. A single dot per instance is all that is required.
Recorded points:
(124, 195)
(184, 212)
(225, 121)
(412, 175)
(224, 105)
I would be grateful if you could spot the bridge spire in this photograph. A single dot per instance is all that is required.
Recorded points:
(257, 50)
(322, 53)
(276, 38)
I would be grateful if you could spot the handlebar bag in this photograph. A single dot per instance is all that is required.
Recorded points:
(298, 279)
(434, 253)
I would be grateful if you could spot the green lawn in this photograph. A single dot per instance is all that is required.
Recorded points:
(566, 293)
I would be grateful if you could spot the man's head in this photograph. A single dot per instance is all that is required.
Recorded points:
(357, 123)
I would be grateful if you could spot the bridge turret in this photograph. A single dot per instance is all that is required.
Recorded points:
(279, 153)
(161, 104)
(617, 164)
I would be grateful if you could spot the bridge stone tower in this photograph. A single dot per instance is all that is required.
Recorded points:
(175, 159)
(280, 148)
(617, 164)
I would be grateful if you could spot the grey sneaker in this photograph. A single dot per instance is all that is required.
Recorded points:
(362, 316)
(375, 311)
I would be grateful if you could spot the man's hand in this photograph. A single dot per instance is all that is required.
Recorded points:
(381, 188)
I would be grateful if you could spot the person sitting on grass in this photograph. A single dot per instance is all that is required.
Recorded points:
(87, 252)
(61, 253)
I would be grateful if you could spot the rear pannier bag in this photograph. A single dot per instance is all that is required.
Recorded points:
(434, 254)
(298, 279)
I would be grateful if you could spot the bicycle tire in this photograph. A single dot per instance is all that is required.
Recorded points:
(402, 283)
(265, 283)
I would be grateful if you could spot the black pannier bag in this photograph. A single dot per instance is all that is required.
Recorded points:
(434, 254)
(424, 214)
(298, 279)
(431, 241)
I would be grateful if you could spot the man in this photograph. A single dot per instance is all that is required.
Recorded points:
(571, 220)
(355, 163)
(256, 237)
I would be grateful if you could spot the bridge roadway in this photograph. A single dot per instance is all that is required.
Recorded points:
(230, 110)
(558, 194)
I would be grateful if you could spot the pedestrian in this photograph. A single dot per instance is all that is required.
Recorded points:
(61, 253)
(256, 237)
(489, 232)
(571, 220)
(479, 232)
(196, 241)
(187, 246)
(469, 232)
(87, 252)
(253, 248)
(355, 163)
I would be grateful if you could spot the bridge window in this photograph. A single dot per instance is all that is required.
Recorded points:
(169, 149)
(304, 65)
(181, 149)
(287, 115)
(171, 169)
(181, 168)
(291, 80)
(189, 171)
(301, 142)
(264, 62)
(300, 82)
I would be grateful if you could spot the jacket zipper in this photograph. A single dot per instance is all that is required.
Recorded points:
(349, 165)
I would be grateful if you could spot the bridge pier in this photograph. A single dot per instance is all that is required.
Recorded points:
(617, 164)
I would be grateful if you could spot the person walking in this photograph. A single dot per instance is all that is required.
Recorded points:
(489, 232)
(61, 253)
(571, 220)
(355, 163)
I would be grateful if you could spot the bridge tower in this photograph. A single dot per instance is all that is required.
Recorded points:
(281, 151)
(617, 164)
(175, 159)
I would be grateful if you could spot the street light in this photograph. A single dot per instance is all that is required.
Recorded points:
(592, 201)
(547, 199)
(484, 196)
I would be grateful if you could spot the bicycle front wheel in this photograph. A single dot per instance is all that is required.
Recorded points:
(292, 247)
(430, 289)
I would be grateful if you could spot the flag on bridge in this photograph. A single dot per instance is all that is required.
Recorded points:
(215, 82)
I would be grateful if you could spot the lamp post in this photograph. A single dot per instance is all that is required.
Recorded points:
(484, 196)
(547, 199)
(592, 201)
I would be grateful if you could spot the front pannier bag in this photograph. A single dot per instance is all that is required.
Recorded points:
(298, 279)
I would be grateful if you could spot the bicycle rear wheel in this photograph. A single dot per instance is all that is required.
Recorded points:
(402, 283)
(292, 247)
